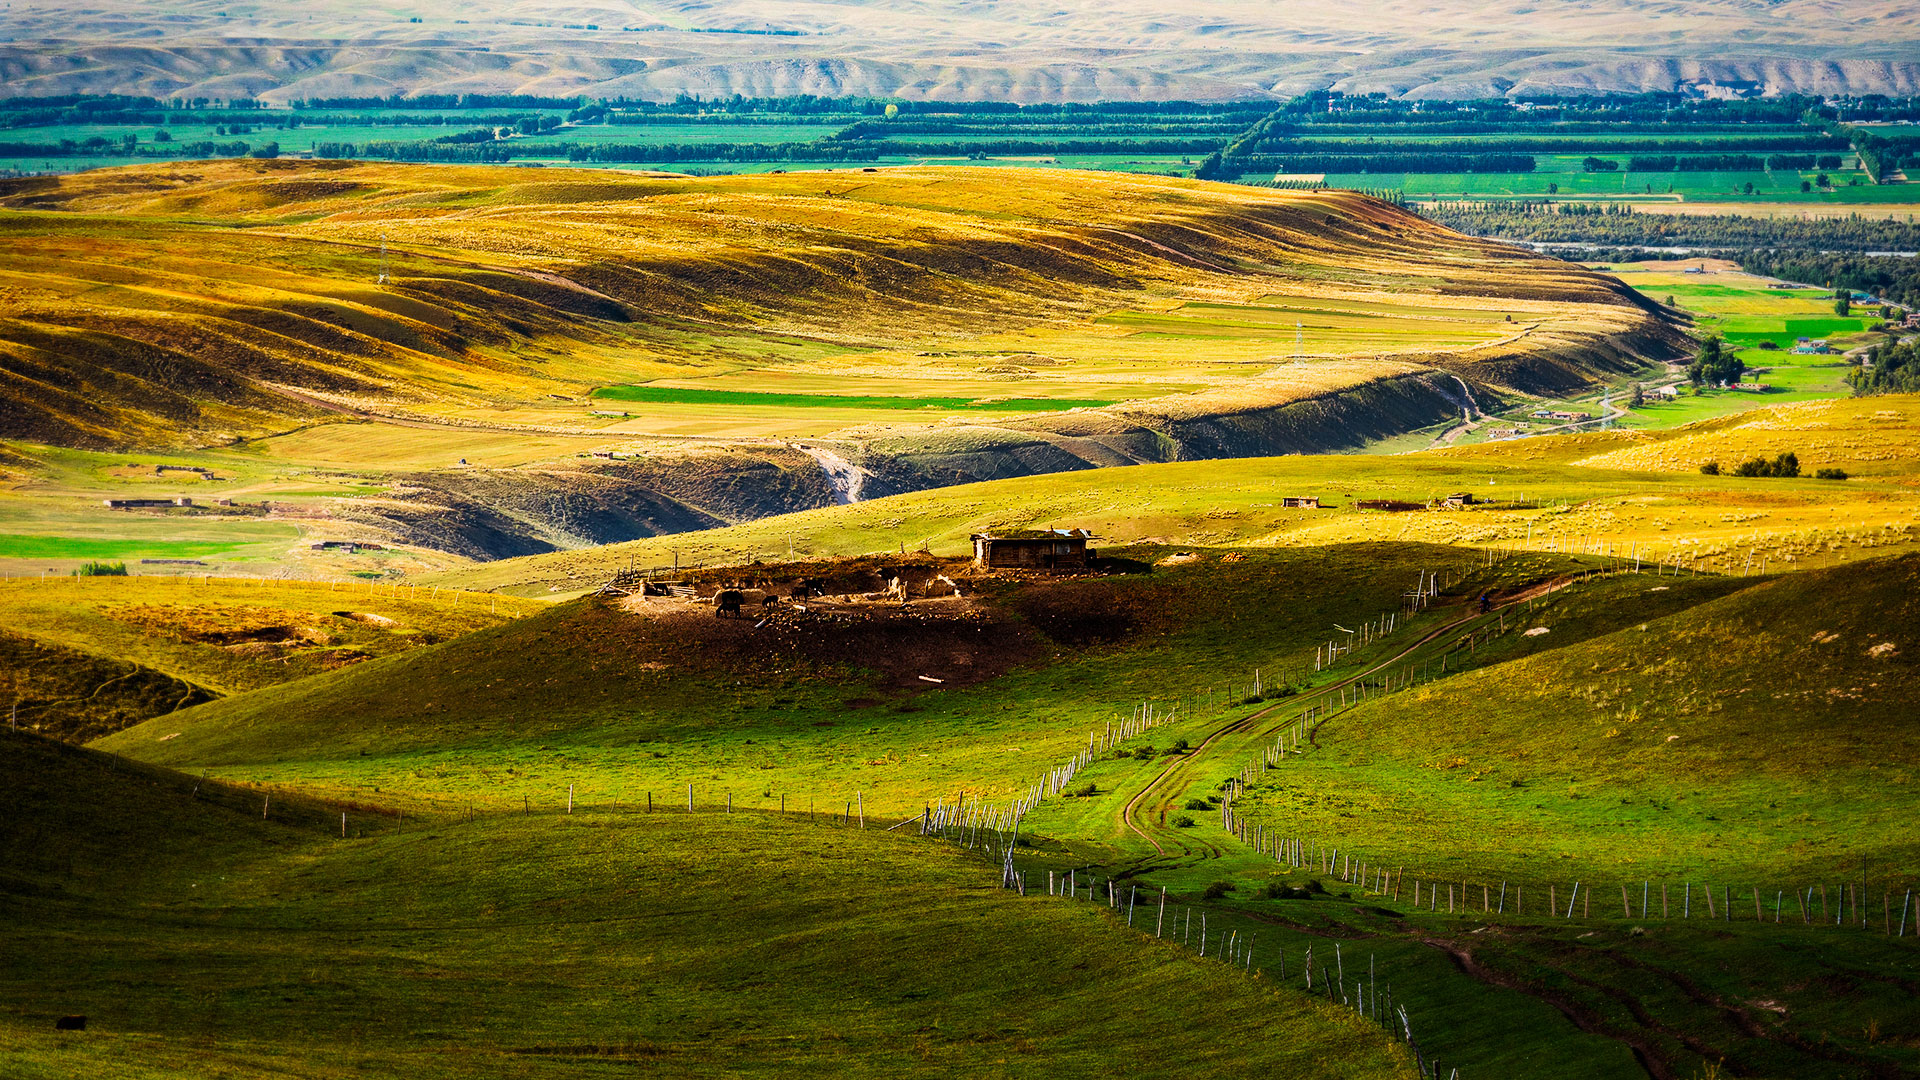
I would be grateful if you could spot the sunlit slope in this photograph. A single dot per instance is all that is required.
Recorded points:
(1769, 732)
(548, 944)
(1599, 492)
(86, 657)
(623, 699)
(202, 302)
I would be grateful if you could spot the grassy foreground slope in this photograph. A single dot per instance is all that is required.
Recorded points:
(189, 304)
(586, 944)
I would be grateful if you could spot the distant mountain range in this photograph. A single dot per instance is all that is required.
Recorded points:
(1066, 50)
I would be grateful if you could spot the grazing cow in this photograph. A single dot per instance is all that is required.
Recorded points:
(70, 1023)
(727, 602)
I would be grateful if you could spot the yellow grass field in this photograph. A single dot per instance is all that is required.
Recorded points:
(282, 293)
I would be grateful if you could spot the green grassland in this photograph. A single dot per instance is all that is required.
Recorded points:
(185, 625)
(804, 695)
(330, 830)
(575, 944)
(1179, 319)
(1664, 754)
(1747, 312)
(648, 704)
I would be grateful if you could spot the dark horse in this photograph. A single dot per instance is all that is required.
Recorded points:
(727, 602)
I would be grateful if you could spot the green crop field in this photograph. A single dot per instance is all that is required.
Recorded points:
(695, 396)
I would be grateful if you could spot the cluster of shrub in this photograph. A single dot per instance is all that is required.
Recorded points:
(127, 145)
(1786, 464)
(894, 147)
(415, 151)
(1064, 126)
(733, 152)
(1881, 153)
(1284, 139)
(818, 105)
(1715, 364)
(1275, 889)
(1207, 805)
(1894, 278)
(1554, 112)
(101, 569)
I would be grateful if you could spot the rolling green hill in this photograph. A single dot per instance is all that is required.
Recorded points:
(199, 940)
(1532, 762)
(1767, 732)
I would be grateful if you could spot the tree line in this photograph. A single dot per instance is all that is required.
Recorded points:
(1035, 125)
(1383, 163)
(1282, 142)
(1620, 226)
(1730, 162)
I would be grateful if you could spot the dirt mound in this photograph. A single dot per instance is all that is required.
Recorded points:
(914, 646)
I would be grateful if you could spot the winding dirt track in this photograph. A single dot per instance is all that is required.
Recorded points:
(1157, 793)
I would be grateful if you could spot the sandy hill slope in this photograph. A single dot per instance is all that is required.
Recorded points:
(1075, 51)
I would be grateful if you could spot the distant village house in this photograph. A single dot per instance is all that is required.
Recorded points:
(1033, 549)
(351, 547)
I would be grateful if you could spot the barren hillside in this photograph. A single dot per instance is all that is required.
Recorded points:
(1073, 51)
